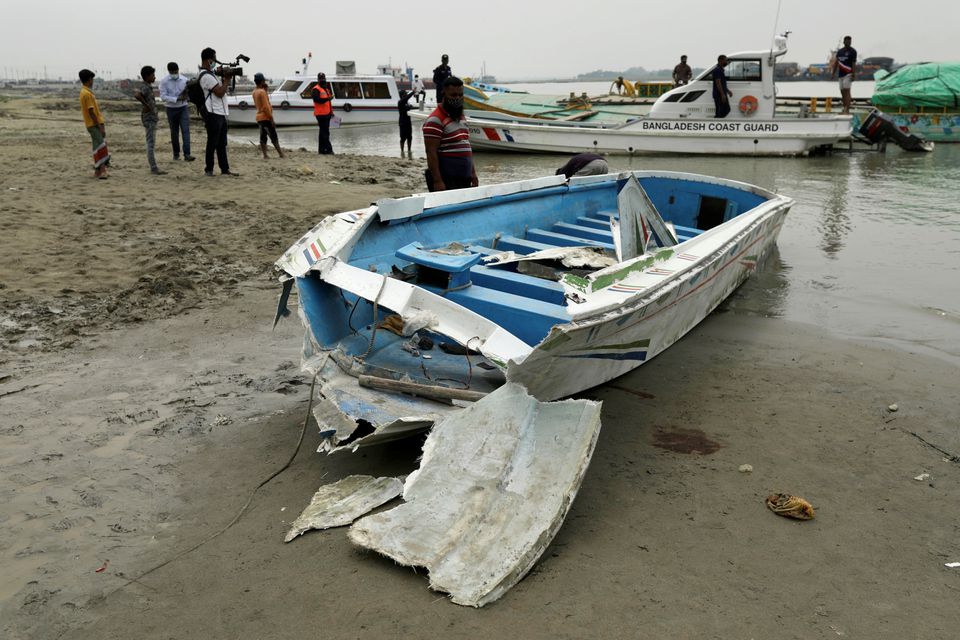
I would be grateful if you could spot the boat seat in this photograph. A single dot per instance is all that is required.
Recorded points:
(456, 266)
(605, 215)
(483, 251)
(594, 223)
(583, 232)
(518, 283)
(526, 318)
(563, 240)
(687, 231)
(523, 247)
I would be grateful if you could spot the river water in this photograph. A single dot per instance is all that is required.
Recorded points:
(871, 249)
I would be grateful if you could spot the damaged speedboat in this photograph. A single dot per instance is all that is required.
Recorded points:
(417, 305)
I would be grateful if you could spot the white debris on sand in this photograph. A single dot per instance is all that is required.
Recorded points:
(496, 482)
(340, 503)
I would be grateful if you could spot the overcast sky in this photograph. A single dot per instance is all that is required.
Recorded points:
(516, 38)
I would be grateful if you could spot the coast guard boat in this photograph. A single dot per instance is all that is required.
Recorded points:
(681, 121)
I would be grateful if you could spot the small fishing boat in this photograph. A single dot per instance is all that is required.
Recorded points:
(552, 284)
(681, 121)
(357, 99)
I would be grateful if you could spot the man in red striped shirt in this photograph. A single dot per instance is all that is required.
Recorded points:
(447, 139)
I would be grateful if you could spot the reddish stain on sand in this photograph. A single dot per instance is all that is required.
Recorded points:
(686, 441)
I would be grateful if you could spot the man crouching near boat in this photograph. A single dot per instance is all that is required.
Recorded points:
(447, 140)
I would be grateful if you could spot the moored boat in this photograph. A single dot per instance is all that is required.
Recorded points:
(556, 285)
(357, 99)
(681, 121)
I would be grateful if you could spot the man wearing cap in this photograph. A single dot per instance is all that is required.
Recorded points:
(93, 121)
(440, 75)
(173, 93)
(323, 110)
(265, 115)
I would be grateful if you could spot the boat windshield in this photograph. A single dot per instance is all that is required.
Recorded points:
(743, 70)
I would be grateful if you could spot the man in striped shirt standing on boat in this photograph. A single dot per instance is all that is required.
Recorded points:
(447, 140)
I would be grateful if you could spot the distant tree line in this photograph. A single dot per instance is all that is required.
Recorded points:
(633, 73)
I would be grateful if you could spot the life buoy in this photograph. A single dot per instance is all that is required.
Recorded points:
(284, 105)
(242, 104)
(748, 105)
(348, 107)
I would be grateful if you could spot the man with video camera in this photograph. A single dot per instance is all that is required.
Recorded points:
(215, 110)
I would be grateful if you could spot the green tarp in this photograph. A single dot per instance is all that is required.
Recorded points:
(931, 84)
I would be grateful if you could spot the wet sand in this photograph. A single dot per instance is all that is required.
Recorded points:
(144, 403)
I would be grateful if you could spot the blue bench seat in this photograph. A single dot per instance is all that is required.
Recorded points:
(579, 231)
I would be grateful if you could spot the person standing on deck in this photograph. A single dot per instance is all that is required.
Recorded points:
(440, 75)
(845, 64)
(682, 73)
(447, 140)
(418, 91)
(173, 93)
(406, 125)
(148, 114)
(95, 124)
(323, 110)
(721, 94)
(265, 116)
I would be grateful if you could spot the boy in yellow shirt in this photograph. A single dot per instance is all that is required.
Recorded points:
(95, 124)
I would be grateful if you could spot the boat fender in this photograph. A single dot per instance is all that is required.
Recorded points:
(284, 105)
(748, 105)
(348, 107)
(242, 104)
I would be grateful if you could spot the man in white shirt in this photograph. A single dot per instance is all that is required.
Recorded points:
(215, 113)
(173, 93)
(418, 90)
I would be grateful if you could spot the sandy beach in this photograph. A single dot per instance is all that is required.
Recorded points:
(144, 395)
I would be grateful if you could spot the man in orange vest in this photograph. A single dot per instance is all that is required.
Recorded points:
(323, 110)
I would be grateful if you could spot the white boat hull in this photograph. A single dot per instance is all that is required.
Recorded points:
(600, 349)
(786, 137)
(303, 115)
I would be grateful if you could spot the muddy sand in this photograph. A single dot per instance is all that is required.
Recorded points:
(144, 396)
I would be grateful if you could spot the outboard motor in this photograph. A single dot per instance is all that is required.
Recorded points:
(878, 127)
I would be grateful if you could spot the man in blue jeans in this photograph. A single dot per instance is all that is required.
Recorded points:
(173, 93)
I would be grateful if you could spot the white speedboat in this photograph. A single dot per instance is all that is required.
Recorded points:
(681, 121)
(357, 99)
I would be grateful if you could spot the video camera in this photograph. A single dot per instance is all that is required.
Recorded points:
(230, 70)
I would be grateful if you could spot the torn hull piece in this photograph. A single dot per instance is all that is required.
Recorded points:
(496, 482)
(352, 416)
(340, 503)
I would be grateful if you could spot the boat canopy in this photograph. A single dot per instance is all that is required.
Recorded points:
(930, 84)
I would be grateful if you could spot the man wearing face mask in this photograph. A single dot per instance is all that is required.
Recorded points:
(173, 93)
(215, 103)
(447, 141)
(323, 110)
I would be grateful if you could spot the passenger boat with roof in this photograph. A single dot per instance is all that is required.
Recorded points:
(681, 121)
(558, 285)
(357, 99)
